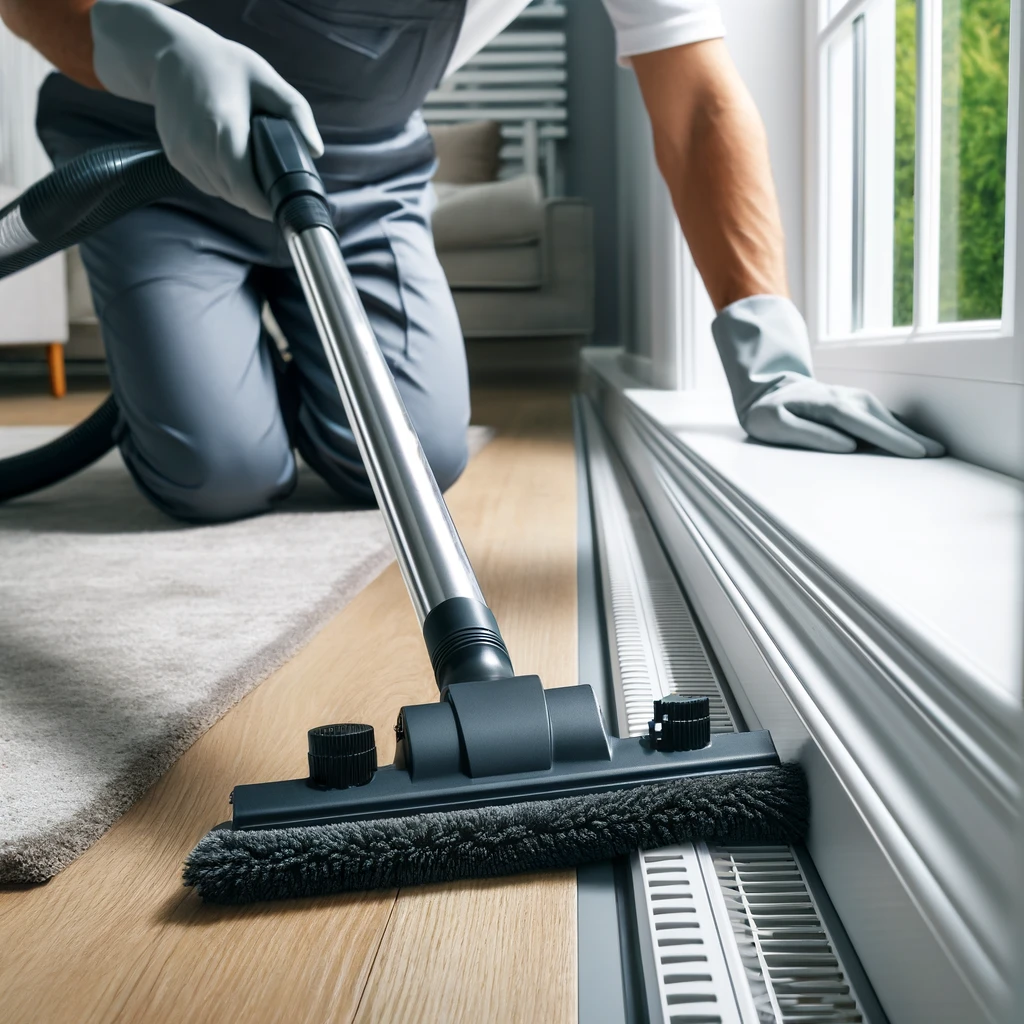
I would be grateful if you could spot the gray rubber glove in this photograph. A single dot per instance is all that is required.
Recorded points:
(204, 88)
(766, 354)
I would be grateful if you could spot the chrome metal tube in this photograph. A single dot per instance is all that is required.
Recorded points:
(429, 551)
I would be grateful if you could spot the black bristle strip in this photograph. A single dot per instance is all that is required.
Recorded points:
(767, 806)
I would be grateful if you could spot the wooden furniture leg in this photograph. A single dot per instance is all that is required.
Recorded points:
(58, 379)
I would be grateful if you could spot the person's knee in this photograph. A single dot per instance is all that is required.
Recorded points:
(219, 483)
(447, 454)
(447, 458)
(235, 493)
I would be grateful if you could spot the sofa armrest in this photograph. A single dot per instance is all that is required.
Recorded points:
(564, 302)
(568, 245)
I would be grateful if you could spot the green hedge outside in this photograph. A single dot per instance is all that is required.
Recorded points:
(975, 70)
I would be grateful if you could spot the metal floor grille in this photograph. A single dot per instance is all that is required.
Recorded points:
(658, 649)
(788, 956)
(699, 972)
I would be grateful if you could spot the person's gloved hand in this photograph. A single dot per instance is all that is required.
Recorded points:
(766, 353)
(204, 88)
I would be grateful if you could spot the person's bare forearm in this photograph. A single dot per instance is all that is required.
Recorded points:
(59, 30)
(713, 153)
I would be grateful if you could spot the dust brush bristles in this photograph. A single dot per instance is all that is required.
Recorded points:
(765, 806)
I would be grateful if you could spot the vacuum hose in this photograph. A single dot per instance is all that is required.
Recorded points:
(70, 204)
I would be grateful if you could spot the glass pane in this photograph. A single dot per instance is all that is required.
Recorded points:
(904, 159)
(975, 72)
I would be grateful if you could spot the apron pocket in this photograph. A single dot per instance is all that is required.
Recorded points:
(356, 54)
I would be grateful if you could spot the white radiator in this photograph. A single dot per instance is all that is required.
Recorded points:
(519, 79)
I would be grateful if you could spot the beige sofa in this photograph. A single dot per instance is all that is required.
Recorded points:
(519, 265)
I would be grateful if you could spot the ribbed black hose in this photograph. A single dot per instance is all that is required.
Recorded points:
(87, 193)
(76, 200)
(51, 463)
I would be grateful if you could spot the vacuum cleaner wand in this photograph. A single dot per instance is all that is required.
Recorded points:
(434, 563)
(500, 775)
(495, 740)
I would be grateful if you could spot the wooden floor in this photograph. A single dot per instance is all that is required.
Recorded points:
(117, 937)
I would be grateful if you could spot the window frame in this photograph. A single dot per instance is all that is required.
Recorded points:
(985, 352)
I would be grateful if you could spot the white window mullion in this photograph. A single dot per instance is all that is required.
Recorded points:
(879, 165)
(858, 169)
(818, 246)
(841, 161)
(858, 145)
(1013, 253)
(928, 172)
(840, 19)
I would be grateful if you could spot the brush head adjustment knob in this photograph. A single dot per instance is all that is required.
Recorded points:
(681, 723)
(341, 755)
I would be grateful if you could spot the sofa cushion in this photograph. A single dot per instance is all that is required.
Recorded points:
(507, 212)
(503, 268)
(467, 153)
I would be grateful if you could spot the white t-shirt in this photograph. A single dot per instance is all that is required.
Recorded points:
(641, 26)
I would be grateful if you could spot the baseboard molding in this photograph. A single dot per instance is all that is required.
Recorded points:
(37, 368)
(523, 361)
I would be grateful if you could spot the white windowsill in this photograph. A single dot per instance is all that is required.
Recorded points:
(938, 544)
(866, 610)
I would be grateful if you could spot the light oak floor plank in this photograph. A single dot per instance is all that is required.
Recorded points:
(502, 950)
(116, 937)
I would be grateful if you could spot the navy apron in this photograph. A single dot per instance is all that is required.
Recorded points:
(364, 66)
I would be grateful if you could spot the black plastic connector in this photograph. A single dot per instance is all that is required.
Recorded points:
(303, 211)
(287, 175)
(464, 644)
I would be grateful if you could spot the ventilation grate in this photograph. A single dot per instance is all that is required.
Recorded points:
(788, 956)
(658, 647)
(694, 981)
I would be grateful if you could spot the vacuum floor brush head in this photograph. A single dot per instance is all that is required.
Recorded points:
(767, 806)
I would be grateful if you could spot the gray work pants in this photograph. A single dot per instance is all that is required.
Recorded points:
(178, 289)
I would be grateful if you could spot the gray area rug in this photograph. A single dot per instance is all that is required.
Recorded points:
(124, 636)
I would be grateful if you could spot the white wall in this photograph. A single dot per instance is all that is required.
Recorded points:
(665, 313)
(33, 303)
(650, 248)
(766, 39)
(22, 160)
